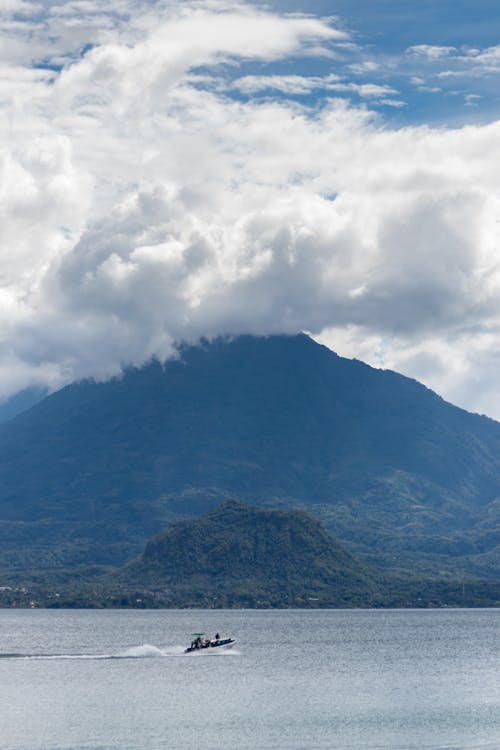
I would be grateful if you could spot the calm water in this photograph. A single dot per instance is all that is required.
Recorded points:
(93, 680)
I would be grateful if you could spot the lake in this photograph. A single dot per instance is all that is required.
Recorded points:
(298, 679)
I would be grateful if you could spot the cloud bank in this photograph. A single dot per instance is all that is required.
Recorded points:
(144, 201)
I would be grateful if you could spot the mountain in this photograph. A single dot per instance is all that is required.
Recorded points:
(20, 402)
(403, 478)
(244, 554)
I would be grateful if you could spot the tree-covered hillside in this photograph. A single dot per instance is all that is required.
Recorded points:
(244, 553)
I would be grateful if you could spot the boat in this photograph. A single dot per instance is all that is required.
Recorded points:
(202, 645)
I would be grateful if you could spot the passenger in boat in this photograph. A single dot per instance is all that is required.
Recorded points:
(217, 636)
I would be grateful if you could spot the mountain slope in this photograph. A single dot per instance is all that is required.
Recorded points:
(20, 402)
(94, 470)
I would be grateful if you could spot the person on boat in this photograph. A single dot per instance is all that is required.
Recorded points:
(217, 636)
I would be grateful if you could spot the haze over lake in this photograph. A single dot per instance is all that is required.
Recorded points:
(308, 680)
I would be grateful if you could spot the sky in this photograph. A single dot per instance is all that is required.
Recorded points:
(179, 169)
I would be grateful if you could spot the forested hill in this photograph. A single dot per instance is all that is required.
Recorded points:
(260, 556)
(90, 473)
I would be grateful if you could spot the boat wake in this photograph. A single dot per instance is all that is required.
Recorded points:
(41, 657)
(144, 651)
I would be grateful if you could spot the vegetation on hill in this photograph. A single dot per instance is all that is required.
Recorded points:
(246, 553)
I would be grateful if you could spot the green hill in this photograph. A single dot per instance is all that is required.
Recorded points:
(244, 554)
(403, 478)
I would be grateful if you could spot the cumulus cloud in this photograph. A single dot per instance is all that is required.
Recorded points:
(144, 203)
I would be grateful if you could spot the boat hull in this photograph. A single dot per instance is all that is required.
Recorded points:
(221, 645)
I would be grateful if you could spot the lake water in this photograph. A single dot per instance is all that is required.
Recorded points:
(363, 680)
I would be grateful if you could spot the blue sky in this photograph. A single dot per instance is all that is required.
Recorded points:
(383, 33)
(186, 168)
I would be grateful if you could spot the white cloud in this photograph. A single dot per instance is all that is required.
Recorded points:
(23, 7)
(362, 68)
(395, 103)
(143, 204)
(459, 63)
(371, 90)
(489, 56)
(290, 84)
(296, 84)
(430, 51)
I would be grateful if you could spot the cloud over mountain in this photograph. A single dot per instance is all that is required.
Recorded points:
(146, 200)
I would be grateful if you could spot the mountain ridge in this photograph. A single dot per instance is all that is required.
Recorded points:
(91, 472)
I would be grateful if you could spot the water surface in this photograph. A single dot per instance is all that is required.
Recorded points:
(357, 680)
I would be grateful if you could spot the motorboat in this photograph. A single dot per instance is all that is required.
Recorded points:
(201, 645)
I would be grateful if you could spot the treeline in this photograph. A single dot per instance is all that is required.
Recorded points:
(393, 593)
